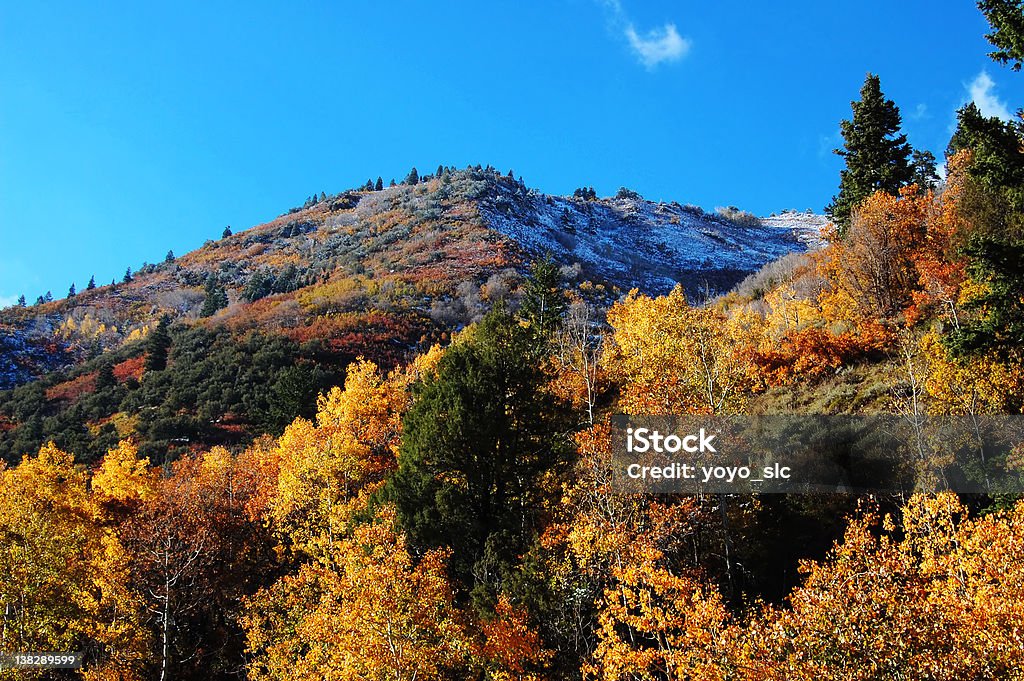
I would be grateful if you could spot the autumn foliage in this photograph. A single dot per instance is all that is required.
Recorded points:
(672, 357)
(451, 515)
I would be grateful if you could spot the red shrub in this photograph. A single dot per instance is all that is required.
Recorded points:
(130, 368)
(73, 389)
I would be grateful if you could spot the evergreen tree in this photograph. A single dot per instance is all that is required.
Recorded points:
(226, 233)
(48, 297)
(169, 257)
(260, 285)
(413, 177)
(40, 300)
(127, 275)
(994, 244)
(92, 283)
(21, 300)
(1006, 17)
(288, 280)
(158, 344)
(105, 378)
(368, 186)
(440, 170)
(999, 264)
(393, 183)
(379, 185)
(995, 144)
(877, 154)
(475, 443)
(71, 291)
(924, 174)
(216, 298)
(323, 196)
(543, 302)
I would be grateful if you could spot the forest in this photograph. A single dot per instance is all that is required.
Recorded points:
(448, 513)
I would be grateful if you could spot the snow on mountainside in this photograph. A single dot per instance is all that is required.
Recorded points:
(808, 227)
(633, 243)
(374, 272)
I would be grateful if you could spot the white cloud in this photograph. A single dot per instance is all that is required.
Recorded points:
(653, 47)
(982, 93)
(7, 301)
(828, 143)
(658, 45)
(920, 112)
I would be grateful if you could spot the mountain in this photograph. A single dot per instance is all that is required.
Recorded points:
(360, 273)
(431, 255)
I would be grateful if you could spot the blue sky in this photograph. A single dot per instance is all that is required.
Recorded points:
(127, 129)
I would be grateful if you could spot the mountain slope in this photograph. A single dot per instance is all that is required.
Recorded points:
(263, 320)
(633, 243)
(419, 258)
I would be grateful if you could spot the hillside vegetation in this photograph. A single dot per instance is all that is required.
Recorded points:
(446, 509)
(264, 319)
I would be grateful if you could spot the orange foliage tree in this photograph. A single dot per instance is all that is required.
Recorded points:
(511, 649)
(657, 621)
(625, 595)
(942, 599)
(871, 270)
(194, 550)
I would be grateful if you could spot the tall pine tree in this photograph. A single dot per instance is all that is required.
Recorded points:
(994, 246)
(158, 344)
(1006, 17)
(543, 298)
(476, 443)
(995, 144)
(877, 154)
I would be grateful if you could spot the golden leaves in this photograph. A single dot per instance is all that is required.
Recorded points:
(376, 614)
(671, 357)
(61, 568)
(123, 476)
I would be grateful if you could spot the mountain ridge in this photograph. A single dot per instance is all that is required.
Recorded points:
(429, 256)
